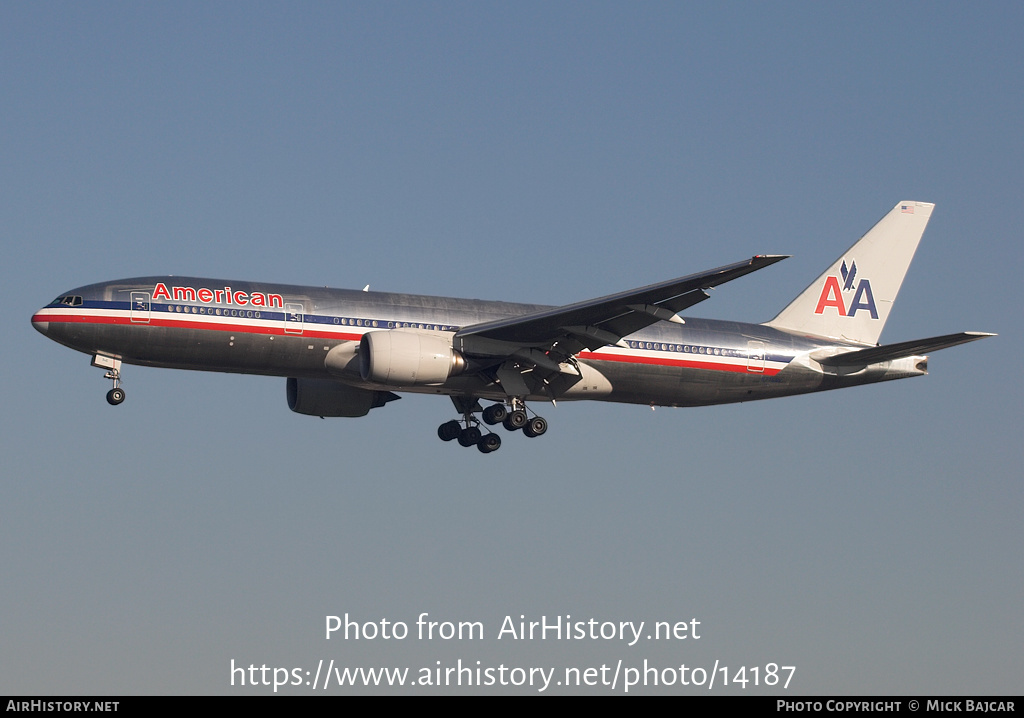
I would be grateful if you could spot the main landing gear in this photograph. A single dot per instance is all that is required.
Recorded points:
(468, 432)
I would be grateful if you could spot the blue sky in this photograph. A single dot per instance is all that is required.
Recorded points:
(534, 152)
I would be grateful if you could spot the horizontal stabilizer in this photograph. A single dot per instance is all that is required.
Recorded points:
(915, 347)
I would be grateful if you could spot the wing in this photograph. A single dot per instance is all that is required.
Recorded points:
(539, 343)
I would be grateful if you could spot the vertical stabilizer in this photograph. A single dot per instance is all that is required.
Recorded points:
(852, 299)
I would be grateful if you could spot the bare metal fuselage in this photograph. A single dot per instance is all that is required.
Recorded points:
(280, 330)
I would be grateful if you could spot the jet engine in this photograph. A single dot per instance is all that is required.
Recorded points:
(406, 357)
(323, 397)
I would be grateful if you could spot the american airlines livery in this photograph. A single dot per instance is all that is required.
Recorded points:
(345, 352)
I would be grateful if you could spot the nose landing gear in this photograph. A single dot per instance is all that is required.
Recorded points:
(113, 366)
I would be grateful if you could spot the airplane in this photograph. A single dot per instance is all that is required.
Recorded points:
(345, 352)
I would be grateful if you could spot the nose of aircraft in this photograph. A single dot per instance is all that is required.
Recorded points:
(39, 322)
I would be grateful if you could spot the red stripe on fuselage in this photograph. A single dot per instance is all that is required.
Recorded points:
(688, 363)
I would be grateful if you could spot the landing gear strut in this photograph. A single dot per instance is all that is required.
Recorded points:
(468, 430)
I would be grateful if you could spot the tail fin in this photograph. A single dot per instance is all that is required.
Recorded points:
(852, 299)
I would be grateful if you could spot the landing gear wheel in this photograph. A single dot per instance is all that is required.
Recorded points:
(469, 436)
(535, 427)
(115, 396)
(489, 443)
(495, 414)
(515, 420)
(449, 430)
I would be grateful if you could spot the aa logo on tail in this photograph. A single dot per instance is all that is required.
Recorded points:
(832, 294)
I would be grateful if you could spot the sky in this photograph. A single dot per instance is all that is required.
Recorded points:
(538, 152)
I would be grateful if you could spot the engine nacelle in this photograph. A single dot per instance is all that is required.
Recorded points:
(407, 357)
(323, 397)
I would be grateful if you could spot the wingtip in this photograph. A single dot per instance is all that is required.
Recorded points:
(768, 258)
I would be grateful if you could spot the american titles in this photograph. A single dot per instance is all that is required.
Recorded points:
(216, 296)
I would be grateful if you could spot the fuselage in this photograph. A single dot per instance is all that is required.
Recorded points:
(281, 330)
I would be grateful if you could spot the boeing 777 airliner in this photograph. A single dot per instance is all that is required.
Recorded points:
(346, 352)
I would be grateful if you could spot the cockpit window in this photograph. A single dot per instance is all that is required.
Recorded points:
(70, 300)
